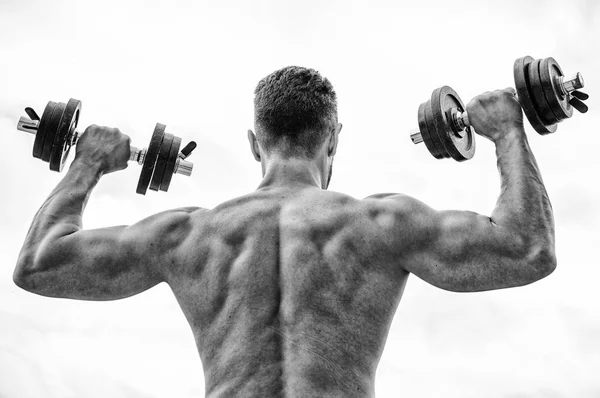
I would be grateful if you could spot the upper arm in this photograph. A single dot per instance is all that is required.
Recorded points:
(462, 250)
(108, 263)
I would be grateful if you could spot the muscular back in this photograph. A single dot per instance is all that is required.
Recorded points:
(289, 293)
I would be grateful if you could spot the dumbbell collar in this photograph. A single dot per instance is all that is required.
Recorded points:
(28, 125)
(460, 121)
(568, 84)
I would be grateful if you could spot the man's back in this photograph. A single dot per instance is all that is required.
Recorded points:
(289, 292)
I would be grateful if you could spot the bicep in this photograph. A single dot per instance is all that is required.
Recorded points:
(467, 252)
(459, 250)
(109, 263)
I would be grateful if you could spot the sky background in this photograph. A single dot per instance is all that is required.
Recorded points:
(193, 66)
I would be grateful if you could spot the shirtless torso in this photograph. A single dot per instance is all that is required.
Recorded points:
(292, 294)
(290, 290)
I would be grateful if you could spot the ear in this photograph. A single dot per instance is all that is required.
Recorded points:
(334, 139)
(254, 145)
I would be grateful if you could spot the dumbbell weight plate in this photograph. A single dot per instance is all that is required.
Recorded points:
(459, 147)
(63, 136)
(435, 135)
(559, 103)
(51, 129)
(170, 166)
(161, 162)
(40, 135)
(150, 159)
(426, 133)
(541, 105)
(432, 114)
(520, 74)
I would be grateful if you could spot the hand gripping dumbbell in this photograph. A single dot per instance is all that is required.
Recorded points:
(56, 132)
(545, 94)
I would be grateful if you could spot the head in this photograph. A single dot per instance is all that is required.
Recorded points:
(295, 117)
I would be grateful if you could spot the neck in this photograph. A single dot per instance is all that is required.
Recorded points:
(278, 172)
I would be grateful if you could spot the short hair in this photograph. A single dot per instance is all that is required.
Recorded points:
(294, 109)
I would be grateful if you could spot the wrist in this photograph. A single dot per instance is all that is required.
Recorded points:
(83, 165)
(512, 134)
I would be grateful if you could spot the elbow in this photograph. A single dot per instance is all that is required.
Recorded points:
(25, 272)
(542, 260)
(22, 278)
(535, 256)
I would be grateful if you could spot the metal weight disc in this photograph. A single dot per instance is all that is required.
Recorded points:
(542, 107)
(520, 73)
(161, 162)
(427, 134)
(170, 166)
(150, 159)
(64, 135)
(460, 147)
(40, 135)
(51, 129)
(559, 103)
(435, 136)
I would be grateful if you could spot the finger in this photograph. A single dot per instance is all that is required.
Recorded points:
(511, 90)
(91, 127)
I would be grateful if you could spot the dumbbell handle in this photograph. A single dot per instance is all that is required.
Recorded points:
(567, 85)
(136, 154)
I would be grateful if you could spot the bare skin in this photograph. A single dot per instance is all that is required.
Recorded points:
(290, 290)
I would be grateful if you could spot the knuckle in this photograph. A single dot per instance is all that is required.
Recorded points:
(481, 97)
(472, 104)
(90, 128)
(477, 101)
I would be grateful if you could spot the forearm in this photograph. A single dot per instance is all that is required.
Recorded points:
(523, 208)
(61, 213)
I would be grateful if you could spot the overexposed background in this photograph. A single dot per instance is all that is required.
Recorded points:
(193, 66)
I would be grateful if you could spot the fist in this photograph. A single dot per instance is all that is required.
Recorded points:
(493, 114)
(107, 147)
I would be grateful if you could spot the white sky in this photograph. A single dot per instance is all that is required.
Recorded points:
(193, 66)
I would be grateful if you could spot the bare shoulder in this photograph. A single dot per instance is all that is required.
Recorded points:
(166, 229)
(393, 198)
(403, 223)
(403, 208)
(169, 219)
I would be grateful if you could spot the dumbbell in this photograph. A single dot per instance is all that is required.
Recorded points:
(545, 94)
(56, 132)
